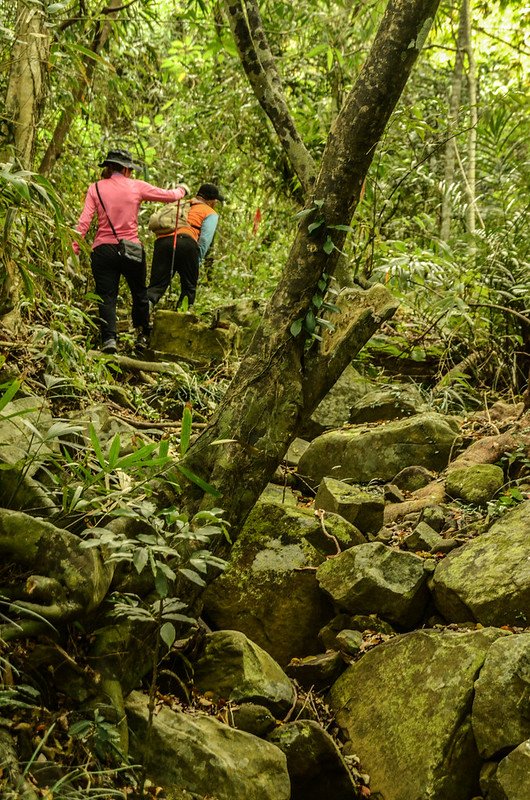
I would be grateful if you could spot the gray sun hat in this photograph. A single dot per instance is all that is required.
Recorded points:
(121, 157)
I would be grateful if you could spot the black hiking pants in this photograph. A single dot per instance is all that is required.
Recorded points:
(185, 262)
(107, 268)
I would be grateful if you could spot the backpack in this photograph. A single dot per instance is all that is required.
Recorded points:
(164, 220)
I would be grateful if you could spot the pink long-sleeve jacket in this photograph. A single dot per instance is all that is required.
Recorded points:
(122, 198)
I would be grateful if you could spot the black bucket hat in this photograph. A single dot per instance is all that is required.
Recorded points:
(209, 191)
(121, 157)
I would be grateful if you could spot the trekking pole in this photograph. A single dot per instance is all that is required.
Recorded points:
(175, 239)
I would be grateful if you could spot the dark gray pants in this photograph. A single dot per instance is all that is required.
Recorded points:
(107, 268)
(185, 262)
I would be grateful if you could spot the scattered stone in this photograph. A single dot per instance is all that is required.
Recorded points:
(393, 494)
(315, 765)
(476, 484)
(361, 507)
(513, 774)
(374, 579)
(295, 451)
(364, 454)
(201, 755)
(501, 708)
(382, 405)
(334, 410)
(233, 668)
(349, 641)
(412, 478)
(423, 538)
(487, 580)
(333, 534)
(405, 709)
(318, 671)
(252, 718)
(433, 516)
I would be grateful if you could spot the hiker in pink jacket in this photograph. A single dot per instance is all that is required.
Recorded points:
(116, 249)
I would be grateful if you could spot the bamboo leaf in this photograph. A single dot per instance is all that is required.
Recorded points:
(198, 481)
(185, 434)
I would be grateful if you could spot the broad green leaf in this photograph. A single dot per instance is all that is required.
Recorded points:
(185, 434)
(296, 327)
(168, 634)
(328, 246)
(192, 576)
(140, 559)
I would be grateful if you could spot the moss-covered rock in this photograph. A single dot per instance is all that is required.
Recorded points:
(475, 484)
(233, 668)
(375, 579)
(200, 755)
(334, 410)
(316, 767)
(405, 708)
(362, 507)
(187, 337)
(488, 579)
(501, 708)
(387, 403)
(363, 454)
(510, 780)
(269, 590)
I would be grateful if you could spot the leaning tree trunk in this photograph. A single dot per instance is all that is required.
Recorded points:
(26, 87)
(260, 68)
(101, 35)
(26, 90)
(454, 113)
(281, 378)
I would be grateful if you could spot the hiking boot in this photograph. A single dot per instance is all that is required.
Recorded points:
(141, 344)
(109, 346)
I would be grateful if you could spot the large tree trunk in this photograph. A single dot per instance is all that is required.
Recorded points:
(260, 68)
(27, 83)
(280, 379)
(101, 35)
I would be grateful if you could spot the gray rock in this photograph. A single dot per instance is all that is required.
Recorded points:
(252, 718)
(434, 516)
(501, 708)
(349, 642)
(488, 579)
(200, 755)
(316, 767)
(233, 668)
(412, 478)
(334, 410)
(423, 538)
(476, 484)
(269, 590)
(316, 672)
(513, 773)
(388, 403)
(363, 454)
(405, 710)
(363, 508)
(359, 623)
(295, 451)
(374, 579)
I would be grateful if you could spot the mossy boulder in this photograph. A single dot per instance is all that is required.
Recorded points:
(476, 484)
(362, 507)
(201, 755)
(387, 403)
(488, 579)
(501, 708)
(269, 590)
(512, 778)
(334, 410)
(375, 579)
(187, 337)
(316, 767)
(233, 668)
(363, 454)
(405, 710)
